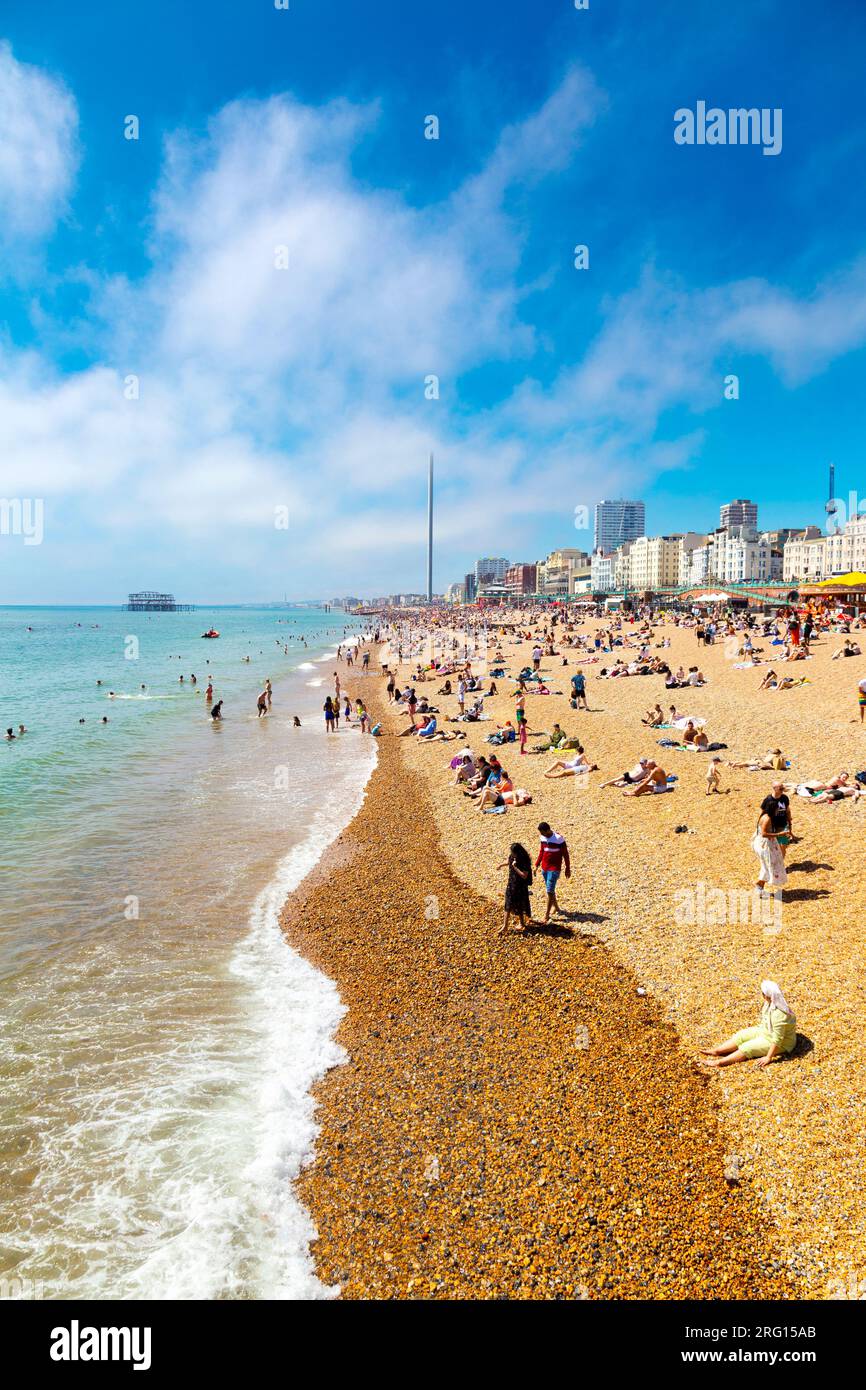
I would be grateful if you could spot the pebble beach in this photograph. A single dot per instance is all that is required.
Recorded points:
(522, 1117)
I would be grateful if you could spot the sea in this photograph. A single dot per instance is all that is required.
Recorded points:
(158, 1037)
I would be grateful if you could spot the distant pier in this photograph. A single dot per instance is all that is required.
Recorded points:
(149, 602)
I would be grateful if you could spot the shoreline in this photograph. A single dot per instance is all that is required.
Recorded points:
(473, 1145)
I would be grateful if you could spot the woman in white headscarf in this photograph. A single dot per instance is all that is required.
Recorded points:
(773, 1037)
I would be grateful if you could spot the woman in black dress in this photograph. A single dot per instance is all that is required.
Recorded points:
(519, 867)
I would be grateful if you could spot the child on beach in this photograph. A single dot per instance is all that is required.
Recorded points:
(714, 777)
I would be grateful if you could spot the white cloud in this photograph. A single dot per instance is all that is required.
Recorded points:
(38, 148)
(261, 387)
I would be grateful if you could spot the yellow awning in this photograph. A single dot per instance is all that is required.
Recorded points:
(844, 581)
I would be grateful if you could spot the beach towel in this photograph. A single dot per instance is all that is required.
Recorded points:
(494, 811)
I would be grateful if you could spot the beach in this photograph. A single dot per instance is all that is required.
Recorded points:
(516, 1119)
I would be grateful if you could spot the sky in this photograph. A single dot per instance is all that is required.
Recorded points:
(227, 346)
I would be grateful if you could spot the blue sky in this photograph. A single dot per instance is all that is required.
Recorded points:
(264, 392)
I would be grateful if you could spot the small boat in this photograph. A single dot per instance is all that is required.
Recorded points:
(212, 632)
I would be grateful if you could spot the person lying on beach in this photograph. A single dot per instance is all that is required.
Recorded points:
(832, 794)
(635, 775)
(769, 681)
(774, 1036)
(519, 865)
(573, 767)
(655, 781)
(773, 761)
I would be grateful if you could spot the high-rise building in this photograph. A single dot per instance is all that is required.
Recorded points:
(490, 568)
(617, 522)
(740, 512)
(469, 587)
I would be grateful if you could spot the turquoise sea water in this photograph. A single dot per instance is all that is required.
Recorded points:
(157, 1037)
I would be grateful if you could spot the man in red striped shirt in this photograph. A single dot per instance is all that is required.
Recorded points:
(552, 855)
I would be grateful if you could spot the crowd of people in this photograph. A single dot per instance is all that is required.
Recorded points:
(628, 645)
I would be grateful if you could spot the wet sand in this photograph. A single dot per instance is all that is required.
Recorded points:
(515, 1120)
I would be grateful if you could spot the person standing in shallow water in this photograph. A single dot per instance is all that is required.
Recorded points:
(328, 708)
(519, 867)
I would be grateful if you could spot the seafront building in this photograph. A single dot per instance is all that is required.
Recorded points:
(813, 555)
(521, 580)
(735, 553)
(556, 574)
(602, 571)
(617, 522)
(654, 562)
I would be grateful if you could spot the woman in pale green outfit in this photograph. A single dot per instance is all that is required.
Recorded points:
(773, 1037)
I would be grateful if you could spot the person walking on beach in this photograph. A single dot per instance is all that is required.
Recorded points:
(552, 856)
(519, 867)
(365, 663)
(461, 696)
(861, 692)
(363, 717)
(328, 708)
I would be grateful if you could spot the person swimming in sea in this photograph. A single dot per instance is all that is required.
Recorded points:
(296, 723)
